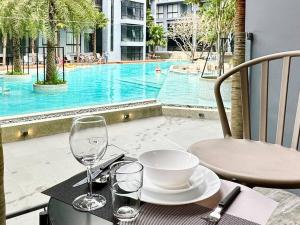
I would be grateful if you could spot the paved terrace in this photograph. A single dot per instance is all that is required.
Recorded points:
(34, 165)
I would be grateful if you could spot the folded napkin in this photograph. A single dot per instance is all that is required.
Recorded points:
(180, 215)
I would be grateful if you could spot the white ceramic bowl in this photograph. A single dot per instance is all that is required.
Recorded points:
(168, 168)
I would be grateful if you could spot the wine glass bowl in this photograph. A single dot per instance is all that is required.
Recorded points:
(88, 141)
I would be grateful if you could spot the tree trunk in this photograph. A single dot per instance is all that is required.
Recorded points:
(94, 37)
(4, 42)
(51, 69)
(78, 47)
(192, 55)
(32, 50)
(239, 57)
(16, 54)
(219, 52)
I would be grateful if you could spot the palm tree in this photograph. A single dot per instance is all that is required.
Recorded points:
(34, 24)
(4, 28)
(16, 22)
(11, 13)
(156, 37)
(73, 15)
(239, 57)
(31, 17)
(218, 17)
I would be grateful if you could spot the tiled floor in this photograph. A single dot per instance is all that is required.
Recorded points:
(34, 165)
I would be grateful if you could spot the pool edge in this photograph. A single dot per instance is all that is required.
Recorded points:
(25, 130)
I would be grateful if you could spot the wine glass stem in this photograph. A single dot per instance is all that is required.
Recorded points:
(90, 182)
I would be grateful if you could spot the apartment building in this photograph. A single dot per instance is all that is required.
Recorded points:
(124, 38)
(166, 11)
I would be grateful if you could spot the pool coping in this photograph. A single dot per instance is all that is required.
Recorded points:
(190, 111)
(33, 126)
(71, 111)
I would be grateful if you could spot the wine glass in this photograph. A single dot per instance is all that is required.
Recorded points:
(88, 141)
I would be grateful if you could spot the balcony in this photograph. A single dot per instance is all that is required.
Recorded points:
(132, 10)
(132, 33)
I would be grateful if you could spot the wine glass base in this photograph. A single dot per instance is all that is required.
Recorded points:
(87, 203)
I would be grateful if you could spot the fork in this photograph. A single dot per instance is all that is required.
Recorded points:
(217, 213)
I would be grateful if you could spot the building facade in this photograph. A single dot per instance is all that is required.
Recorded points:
(124, 37)
(165, 12)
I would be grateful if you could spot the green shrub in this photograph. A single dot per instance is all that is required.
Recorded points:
(15, 73)
(54, 81)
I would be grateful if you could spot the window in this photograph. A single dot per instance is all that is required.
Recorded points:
(98, 4)
(88, 42)
(160, 24)
(131, 33)
(173, 11)
(71, 42)
(132, 10)
(131, 53)
(160, 12)
(183, 9)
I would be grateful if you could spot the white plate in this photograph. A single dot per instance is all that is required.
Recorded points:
(210, 185)
(194, 182)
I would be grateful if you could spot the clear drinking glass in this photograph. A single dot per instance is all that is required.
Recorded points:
(88, 141)
(126, 179)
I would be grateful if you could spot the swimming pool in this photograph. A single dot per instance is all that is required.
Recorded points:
(104, 84)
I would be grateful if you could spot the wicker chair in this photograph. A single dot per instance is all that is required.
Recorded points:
(255, 163)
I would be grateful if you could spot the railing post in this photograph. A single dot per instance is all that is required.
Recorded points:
(12, 63)
(7, 63)
(28, 59)
(37, 65)
(44, 65)
(23, 62)
(63, 60)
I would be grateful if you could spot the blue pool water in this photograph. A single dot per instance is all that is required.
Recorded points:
(103, 84)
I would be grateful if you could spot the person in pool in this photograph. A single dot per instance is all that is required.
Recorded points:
(157, 69)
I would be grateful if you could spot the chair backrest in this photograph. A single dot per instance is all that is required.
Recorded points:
(243, 71)
(2, 197)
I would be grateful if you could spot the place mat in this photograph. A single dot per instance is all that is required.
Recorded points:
(150, 214)
(249, 205)
(180, 215)
(66, 193)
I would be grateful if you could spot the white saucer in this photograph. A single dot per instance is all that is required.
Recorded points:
(194, 182)
(209, 186)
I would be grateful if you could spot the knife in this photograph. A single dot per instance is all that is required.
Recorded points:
(216, 214)
(100, 169)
